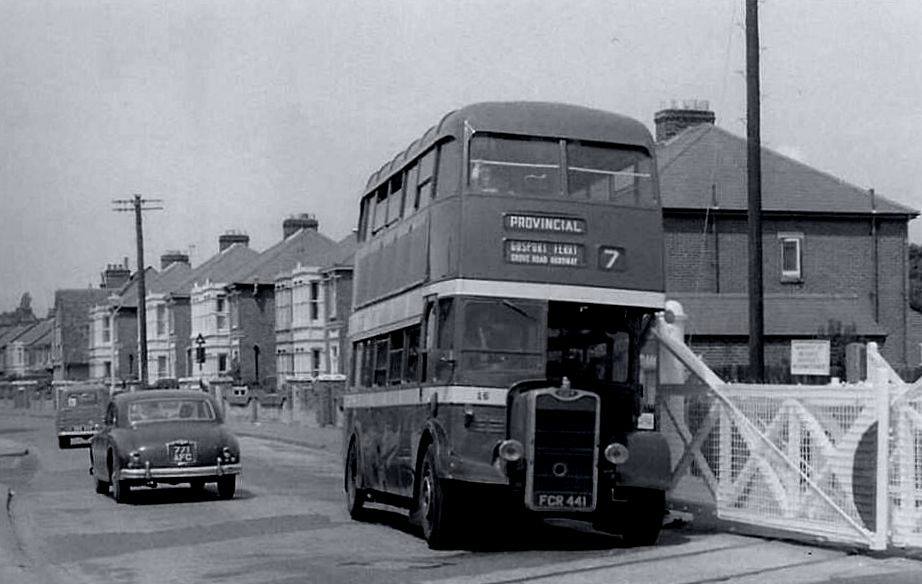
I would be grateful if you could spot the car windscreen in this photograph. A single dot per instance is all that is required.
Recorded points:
(166, 410)
(82, 398)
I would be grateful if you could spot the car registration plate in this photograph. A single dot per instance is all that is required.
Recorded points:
(182, 452)
(563, 501)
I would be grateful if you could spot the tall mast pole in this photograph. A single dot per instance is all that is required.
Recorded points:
(754, 174)
(142, 294)
(137, 204)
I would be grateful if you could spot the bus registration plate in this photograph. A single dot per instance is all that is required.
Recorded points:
(562, 501)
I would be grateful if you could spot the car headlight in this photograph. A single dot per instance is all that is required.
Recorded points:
(134, 459)
(228, 455)
(616, 453)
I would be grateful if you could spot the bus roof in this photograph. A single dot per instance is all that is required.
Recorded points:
(555, 120)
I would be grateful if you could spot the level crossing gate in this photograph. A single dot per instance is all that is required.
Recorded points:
(836, 462)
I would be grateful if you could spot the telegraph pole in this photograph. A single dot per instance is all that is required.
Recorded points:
(137, 204)
(754, 173)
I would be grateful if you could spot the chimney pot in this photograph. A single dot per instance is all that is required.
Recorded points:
(229, 238)
(300, 221)
(678, 117)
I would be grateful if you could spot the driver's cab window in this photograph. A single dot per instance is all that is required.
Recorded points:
(440, 333)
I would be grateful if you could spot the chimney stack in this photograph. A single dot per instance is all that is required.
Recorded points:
(300, 221)
(676, 117)
(229, 238)
(114, 277)
(172, 257)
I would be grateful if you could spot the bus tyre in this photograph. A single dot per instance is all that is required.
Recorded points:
(355, 495)
(434, 507)
(644, 518)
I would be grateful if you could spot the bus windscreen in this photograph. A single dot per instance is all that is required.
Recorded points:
(605, 173)
(532, 167)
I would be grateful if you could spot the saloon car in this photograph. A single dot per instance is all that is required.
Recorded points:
(80, 412)
(154, 437)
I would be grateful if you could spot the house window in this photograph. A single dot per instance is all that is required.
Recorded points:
(106, 329)
(331, 297)
(791, 256)
(315, 300)
(220, 307)
(334, 359)
(315, 362)
(161, 367)
(222, 362)
(161, 320)
(107, 369)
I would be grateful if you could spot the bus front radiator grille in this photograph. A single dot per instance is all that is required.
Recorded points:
(564, 452)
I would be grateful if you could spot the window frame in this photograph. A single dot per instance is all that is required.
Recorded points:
(796, 275)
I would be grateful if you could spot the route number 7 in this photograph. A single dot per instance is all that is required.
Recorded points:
(609, 256)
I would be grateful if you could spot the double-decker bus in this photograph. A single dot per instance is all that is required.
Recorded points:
(509, 265)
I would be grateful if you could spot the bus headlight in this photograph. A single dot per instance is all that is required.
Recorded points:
(616, 453)
(511, 450)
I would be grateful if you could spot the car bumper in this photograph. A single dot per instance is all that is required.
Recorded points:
(76, 434)
(150, 473)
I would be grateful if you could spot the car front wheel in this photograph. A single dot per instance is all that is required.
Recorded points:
(227, 486)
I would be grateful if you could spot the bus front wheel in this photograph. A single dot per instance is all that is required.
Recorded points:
(644, 518)
(434, 507)
(355, 495)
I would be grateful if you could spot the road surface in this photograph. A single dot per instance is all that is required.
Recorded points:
(287, 525)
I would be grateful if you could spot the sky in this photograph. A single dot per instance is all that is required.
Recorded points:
(239, 114)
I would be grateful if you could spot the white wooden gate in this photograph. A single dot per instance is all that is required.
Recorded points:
(790, 457)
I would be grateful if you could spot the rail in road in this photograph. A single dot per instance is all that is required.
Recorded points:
(288, 525)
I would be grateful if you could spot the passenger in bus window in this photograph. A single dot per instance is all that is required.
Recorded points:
(482, 177)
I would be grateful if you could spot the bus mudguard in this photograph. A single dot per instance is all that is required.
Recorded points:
(434, 436)
(648, 465)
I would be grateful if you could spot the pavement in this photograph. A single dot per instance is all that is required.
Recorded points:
(327, 439)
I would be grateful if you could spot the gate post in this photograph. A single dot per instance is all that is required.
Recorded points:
(877, 375)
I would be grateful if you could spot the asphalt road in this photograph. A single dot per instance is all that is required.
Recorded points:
(287, 525)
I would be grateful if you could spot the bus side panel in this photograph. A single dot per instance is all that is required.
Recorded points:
(444, 248)
(474, 439)
(635, 233)
(403, 245)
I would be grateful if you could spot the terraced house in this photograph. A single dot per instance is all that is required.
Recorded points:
(237, 317)
(177, 314)
(312, 311)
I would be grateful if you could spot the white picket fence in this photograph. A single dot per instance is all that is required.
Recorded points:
(838, 462)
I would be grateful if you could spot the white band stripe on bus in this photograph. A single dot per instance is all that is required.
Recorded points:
(402, 309)
(452, 394)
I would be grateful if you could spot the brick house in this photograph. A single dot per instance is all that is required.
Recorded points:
(30, 353)
(251, 299)
(174, 269)
(71, 333)
(113, 340)
(233, 254)
(835, 255)
(312, 309)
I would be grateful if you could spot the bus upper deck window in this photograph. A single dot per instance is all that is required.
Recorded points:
(515, 166)
(610, 174)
